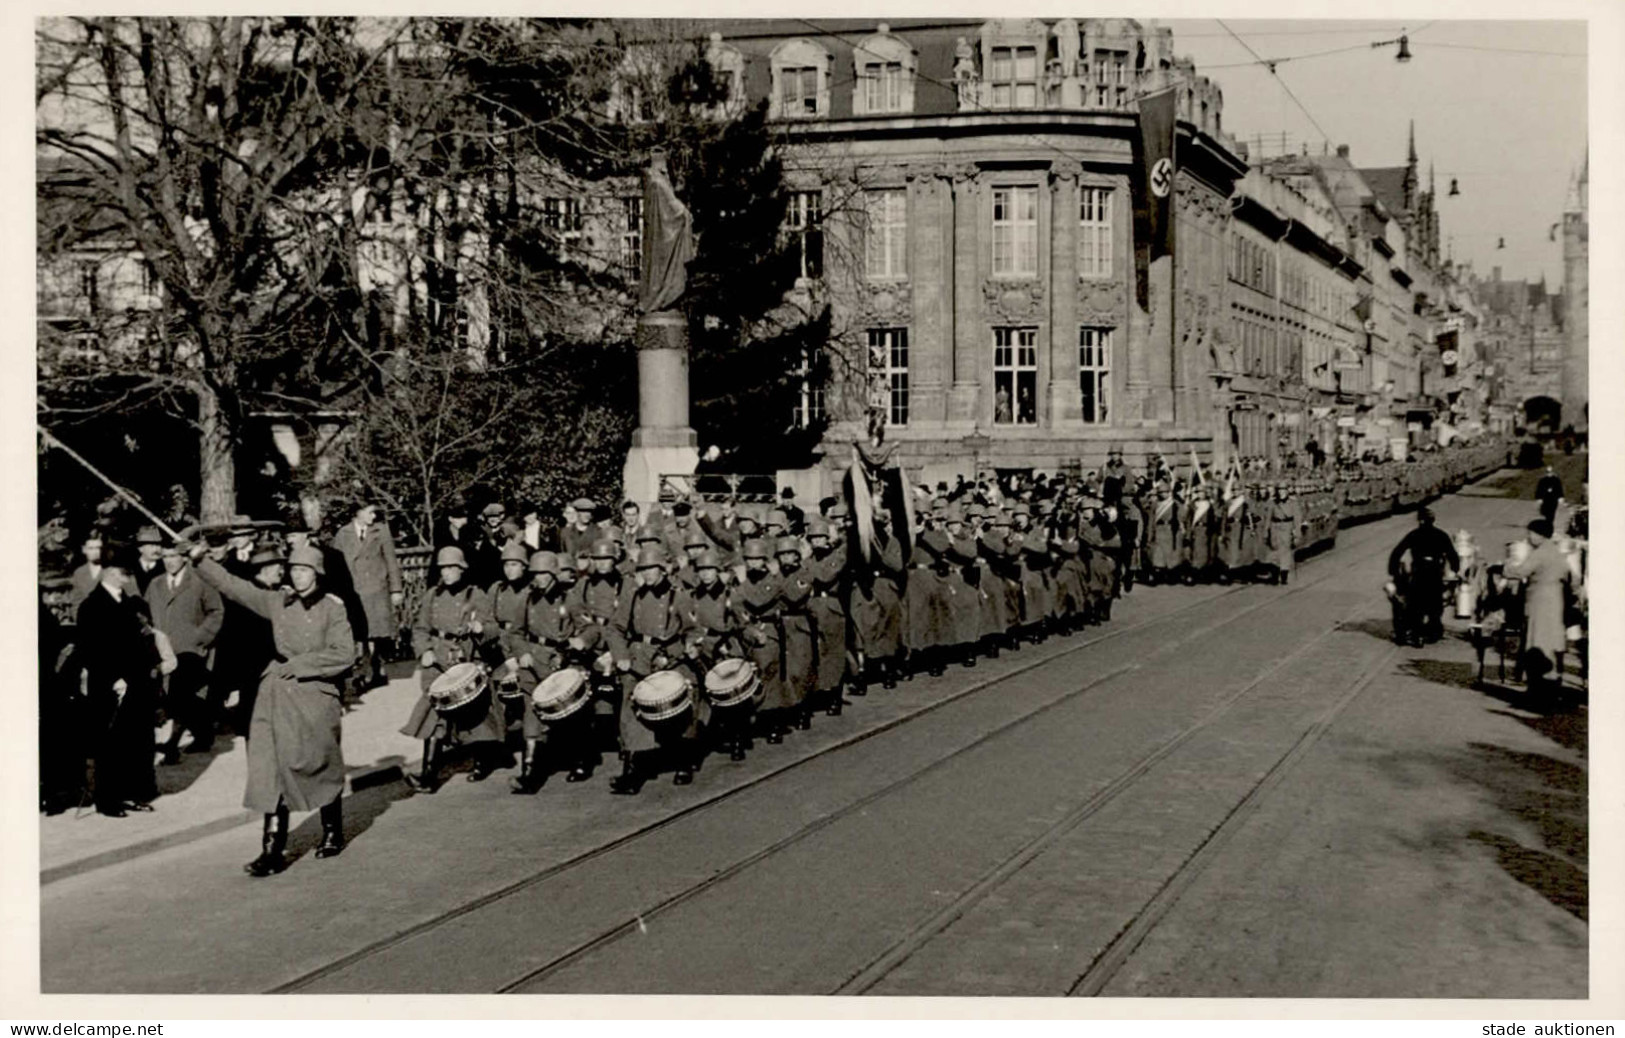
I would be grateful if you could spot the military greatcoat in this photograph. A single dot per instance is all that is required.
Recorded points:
(293, 747)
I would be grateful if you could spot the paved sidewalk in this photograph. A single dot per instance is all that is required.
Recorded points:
(203, 794)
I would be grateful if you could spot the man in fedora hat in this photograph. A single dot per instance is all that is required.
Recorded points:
(149, 547)
(294, 758)
(368, 553)
(189, 612)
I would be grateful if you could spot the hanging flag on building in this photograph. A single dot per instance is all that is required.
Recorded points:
(1153, 189)
(1157, 147)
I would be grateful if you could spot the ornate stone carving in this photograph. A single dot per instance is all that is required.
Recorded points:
(1101, 302)
(1014, 301)
(1065, 169)
(887, 302)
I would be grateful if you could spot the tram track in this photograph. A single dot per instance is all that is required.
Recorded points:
(637, 921)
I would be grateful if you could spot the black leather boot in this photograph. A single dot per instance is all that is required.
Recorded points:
(427, 780)
(686, 765)
(630, 781)
(529, 779)
(273, 841)
(835, 702)
(332, 830)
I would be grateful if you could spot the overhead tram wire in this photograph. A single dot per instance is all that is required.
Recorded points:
(1271, 66)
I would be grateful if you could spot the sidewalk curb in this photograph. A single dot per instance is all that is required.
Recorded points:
(361, 778)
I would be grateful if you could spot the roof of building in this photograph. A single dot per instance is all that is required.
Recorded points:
(1387, 183)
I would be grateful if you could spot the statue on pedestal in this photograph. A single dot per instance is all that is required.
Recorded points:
(668, 240)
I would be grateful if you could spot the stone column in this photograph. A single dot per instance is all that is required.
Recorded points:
(663, 443)
(930, 271)
(965, 400)
(1063, 409)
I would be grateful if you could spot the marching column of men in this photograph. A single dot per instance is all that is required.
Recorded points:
(698, 627)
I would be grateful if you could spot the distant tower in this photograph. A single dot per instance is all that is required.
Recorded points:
(1410, 174)
(1577, 299)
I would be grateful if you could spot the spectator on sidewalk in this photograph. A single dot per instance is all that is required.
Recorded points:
(191, 614)
(1421, 583)
(1545, 573)
(368, 553)
(120, 659)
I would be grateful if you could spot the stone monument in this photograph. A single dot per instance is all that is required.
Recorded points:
(663, 443)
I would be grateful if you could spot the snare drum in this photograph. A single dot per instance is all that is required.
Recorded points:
(561, 694)
(662, 696)
(458, 688)
(733, 683)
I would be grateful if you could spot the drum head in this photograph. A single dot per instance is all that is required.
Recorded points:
(662, 695)
(454, 679)
(729, 674)
(561, 694)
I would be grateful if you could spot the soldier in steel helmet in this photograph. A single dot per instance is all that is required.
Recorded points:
(294, 759)
(647, 634)
(542, 646)
(451, 624)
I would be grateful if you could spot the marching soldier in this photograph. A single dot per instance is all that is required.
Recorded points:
(927, 622)
(800, 669)
(1099, 537)
(294, 758)
(1162, 555)
(450, 625)
(761, 629)
(1201, 528)
(648, 633)
(827, 571)
(875, 605)
(964, 594)
(507, 600)
(1233, 524)
(593, 601)
(1002, 550)
(1281, 534)
(693, 544)
(713, 627)
(542, 646)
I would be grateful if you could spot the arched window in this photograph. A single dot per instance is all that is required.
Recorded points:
(801, 74)
(883, 69)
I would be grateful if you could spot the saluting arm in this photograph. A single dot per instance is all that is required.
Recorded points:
(258, 600)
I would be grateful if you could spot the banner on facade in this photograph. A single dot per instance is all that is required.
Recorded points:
(1157, 147)
(1153, 189)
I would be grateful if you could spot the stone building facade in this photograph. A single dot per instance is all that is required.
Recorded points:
(1577, 302)
(975, 190)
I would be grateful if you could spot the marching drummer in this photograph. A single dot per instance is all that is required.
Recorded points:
(756, 606)
(713, 635)
(647, 635)
(542, 645)
(501, 639)
(449, 625)
(789, 705)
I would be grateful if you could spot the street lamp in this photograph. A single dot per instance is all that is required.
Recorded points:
(1455, 188)
(1404, 42)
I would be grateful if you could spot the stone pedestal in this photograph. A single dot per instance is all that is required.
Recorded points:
(663, 443)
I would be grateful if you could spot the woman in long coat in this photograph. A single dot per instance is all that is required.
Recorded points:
(294, 759)
(1545, 573)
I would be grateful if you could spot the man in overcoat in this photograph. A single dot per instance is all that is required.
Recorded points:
(375, 575)
(116, 649)
(294, 756)
(190, 613)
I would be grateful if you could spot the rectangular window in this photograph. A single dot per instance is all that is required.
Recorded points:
(888, 367)
(1015, 376)
(798, 92)
(1014, 77)
(89, 283)
(804, 220)
(883, 87)
(1103, 97)
(886, 236)
(1094, 372)
(562, 215)
(1095, 232)
(1015, 231)
(809, 408)
(632, 237)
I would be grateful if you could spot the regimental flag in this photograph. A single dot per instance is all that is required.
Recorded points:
(1153, 189)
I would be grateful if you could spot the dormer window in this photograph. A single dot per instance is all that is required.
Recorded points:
(801, 74)
(884, 67)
